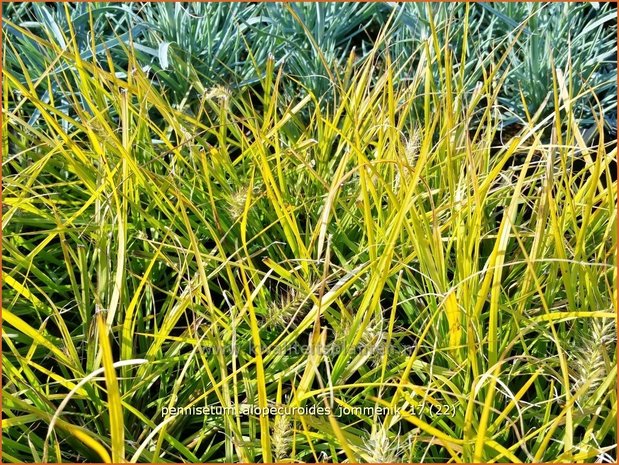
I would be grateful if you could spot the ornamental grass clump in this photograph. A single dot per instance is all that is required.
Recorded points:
(162, 258)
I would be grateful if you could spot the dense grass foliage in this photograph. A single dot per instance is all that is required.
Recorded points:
(188, 47)
(443, 291)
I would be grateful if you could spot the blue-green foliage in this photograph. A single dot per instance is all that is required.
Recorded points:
(190, 47)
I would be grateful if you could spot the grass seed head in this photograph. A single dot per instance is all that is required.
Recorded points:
(589, 358)
(412, 147)
(380, 449)
(288, 308)
(281, 437)
(219, 92)
(236, 202)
